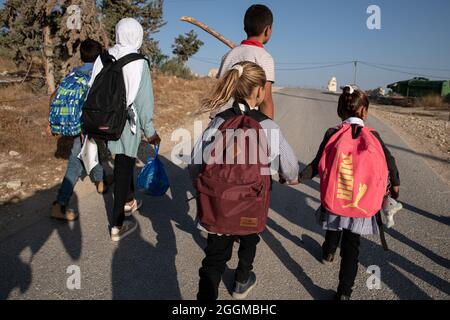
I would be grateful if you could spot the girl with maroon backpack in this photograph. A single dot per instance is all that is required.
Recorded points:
(355, 169)
(232, 176)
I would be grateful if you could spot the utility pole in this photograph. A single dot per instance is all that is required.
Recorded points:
(355, 63)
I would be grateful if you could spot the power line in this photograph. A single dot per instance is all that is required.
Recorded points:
(312, 63)
(209, 59)
(408, 67)
(315, 67)
(283, 69)
(324, 65)
(400, 71)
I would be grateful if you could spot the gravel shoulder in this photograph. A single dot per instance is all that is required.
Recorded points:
(426, 131)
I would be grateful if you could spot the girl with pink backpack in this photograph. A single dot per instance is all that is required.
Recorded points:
(356, 172)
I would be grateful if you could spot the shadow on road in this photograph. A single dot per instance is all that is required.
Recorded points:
(30, 234)
(426, 214)
(418, 154)
(146, 270)
(142, 270)
(293, 205)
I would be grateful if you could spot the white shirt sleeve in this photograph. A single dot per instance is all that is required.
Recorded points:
(268, 65)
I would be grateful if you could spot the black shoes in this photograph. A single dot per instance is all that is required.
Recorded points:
(241, 290)
(327, 258)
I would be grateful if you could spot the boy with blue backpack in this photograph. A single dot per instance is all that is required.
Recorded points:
(65, 120)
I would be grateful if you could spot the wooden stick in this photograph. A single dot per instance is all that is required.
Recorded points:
(209, 30)
(28, 72)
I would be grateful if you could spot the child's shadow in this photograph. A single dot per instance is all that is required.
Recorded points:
(153, 275)
(293, 206)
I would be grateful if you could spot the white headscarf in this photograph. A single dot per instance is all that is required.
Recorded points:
(129, 37)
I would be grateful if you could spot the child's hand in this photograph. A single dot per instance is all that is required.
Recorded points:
(395, 191)
(48, 130)
(154, 140)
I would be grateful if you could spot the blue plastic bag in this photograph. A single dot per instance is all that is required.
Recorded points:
(153, 178)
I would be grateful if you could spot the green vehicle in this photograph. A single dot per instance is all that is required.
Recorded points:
(420, 87)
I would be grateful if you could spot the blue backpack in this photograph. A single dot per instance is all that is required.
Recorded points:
(65, 110)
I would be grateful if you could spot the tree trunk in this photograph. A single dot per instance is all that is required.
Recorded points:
(48, 60)
(91, 27)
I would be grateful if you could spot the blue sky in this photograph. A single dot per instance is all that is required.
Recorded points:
(414, 34)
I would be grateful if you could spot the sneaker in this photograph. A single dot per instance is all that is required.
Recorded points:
(390, 208)
(241, 290)
(102, 187)
(118, 233)
(61, 212)
(132, 206)
(327, 258)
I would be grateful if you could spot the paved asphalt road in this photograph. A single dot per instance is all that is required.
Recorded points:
(161, 260)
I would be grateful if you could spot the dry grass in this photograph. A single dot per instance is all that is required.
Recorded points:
(23, 114)
(431, 102)
(178, 99)
(23, 119)
(7, 65)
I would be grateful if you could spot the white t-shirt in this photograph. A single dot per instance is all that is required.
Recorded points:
(251, 53)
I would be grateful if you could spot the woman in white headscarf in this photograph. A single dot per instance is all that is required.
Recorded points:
(129, 37)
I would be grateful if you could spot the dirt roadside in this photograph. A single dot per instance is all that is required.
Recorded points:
(31, 162)
(427, 131)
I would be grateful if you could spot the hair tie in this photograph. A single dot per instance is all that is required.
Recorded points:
(239, 68)
(350, 89)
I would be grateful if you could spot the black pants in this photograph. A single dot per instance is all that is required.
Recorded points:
(218, 252)
(123, 186)
(349, 257)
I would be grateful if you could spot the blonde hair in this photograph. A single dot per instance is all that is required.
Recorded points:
(237, 83)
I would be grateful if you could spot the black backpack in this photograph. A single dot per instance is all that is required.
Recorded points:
(105, 111)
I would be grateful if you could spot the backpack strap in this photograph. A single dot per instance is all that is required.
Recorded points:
(236, 111)
(232, 112)
(257, 115)
(107, 58)
(381, 228)
(122, 62)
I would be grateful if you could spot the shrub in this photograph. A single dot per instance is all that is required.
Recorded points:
(174, 67)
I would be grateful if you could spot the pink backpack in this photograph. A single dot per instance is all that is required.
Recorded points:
(353, 174)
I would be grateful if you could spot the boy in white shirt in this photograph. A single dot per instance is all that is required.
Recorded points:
(258, 22)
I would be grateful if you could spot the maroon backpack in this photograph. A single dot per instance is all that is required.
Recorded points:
(233, 197)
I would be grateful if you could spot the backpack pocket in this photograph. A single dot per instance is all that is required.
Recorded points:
(231, 209)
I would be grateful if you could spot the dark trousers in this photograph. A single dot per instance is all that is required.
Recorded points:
(218, 252)
(349, 257)
(123, 186)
